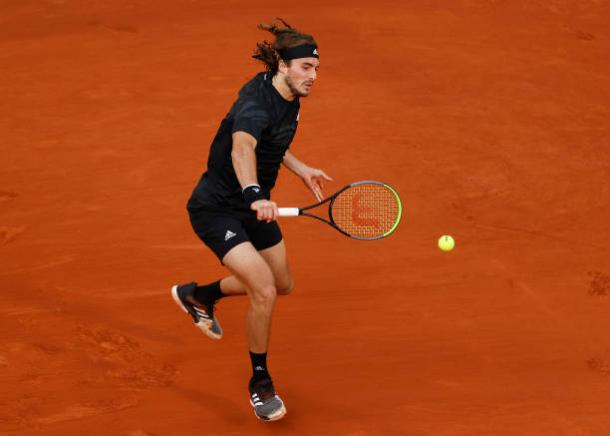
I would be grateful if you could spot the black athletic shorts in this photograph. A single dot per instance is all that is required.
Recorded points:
(222, 229)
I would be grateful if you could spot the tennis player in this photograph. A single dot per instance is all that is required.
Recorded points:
(231, 209)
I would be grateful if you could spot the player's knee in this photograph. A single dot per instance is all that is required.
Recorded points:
(285, 287)
(265, 295)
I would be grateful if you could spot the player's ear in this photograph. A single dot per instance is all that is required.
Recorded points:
(282, 66)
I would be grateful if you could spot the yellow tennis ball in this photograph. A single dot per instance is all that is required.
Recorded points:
(446, 243)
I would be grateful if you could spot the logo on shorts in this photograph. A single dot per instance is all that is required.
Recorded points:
(229, 235)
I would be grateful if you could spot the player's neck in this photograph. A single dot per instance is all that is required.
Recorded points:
(282, 88)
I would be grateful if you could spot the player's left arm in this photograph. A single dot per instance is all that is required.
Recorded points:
(313, 178)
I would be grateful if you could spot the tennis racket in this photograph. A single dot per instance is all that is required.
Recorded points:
(365, 210)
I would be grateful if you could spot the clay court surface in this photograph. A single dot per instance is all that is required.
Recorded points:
(489, 117)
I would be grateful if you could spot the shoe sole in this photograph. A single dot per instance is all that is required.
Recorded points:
(204, 325)
(274, 416)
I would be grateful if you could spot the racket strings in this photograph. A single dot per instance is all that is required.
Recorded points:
(366, 210)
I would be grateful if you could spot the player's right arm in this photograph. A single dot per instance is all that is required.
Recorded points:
(243, 157)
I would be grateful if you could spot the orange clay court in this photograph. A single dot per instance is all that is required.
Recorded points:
(490, 118)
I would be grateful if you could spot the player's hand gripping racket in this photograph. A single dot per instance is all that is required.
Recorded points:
(364, 210)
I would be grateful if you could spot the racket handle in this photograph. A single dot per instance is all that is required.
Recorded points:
(288, 211)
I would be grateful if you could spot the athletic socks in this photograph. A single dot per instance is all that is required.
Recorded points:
(259, 366)
(208, 294)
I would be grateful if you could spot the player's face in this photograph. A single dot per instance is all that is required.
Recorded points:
(301, 75)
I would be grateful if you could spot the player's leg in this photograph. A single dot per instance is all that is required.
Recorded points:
(252, 270)
(277, 260)
(267, 239)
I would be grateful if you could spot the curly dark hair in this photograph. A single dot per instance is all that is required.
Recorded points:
(286, 36)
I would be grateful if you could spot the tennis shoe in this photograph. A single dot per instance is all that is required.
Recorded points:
(268, 406)
(203, 315)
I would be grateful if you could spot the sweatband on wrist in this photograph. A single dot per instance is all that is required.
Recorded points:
(252, 193)
(300, 51)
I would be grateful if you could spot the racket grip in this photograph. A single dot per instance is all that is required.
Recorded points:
(288, 211)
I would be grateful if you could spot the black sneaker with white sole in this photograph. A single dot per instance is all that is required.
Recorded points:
(268, 406)
(203, 316)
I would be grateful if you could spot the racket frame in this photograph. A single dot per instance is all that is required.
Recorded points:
(288, 211)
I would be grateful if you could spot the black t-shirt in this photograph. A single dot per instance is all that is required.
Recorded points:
(262, 112)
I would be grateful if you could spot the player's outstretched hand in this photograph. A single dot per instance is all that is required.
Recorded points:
(266, 210)
(314, 179)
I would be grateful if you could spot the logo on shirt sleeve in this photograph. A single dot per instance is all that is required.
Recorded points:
(229, 235)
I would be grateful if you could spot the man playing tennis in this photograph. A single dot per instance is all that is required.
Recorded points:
(230, 208)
